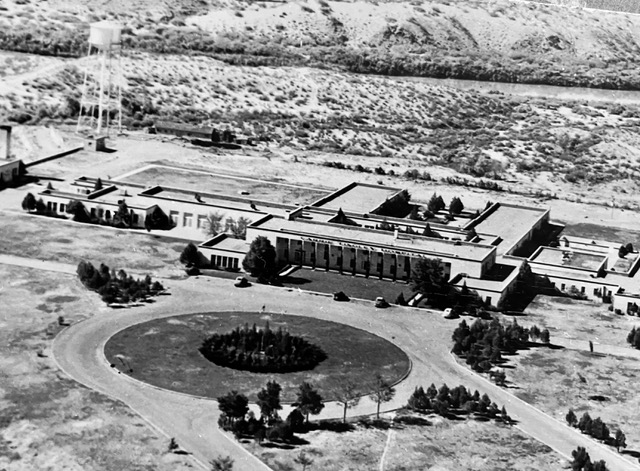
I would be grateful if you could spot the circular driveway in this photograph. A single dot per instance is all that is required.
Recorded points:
(423, 335)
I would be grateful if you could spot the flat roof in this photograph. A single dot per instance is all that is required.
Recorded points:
(568, 258)
(227, 243)
(212, 183)
(111, 197)
(376, 239)
(511, 223)
(357, 198)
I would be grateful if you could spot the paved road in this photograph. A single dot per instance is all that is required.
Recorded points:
(79, 351)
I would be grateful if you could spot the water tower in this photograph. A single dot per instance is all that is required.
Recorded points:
(101, 89)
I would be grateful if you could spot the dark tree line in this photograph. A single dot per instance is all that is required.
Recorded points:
(446, 401)
(597, 429)
(237, 418)
(262, 350)
(482, 344)
(582, 461)
(116, 287)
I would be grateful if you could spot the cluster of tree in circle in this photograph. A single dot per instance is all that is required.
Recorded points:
(116, 287)
(262, 350)
(482, 343)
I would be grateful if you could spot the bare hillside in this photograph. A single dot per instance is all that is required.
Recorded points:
(498, 40)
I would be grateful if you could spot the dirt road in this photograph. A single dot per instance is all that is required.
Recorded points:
(79, 352)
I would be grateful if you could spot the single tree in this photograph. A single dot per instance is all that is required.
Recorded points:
(346, 394)
(189, 255)
(222, 463)
(234, 405)
(41, 207)
(504, 416)
(572, 420)
(382, 392)
(260, 261)
(436, 203)
(122, 216)
(584, 424)
(309, 401)
(545, 336)
(599, 429)
(269, 400)
(580, 459)
(173, 445)
(213, 224)
(29, 202)
(599, 465)
(239, 229)
(400, 301)
(620, 440)
(78, 210)
(295, 420)
(303, 460)
(456, 206)
(427, 277)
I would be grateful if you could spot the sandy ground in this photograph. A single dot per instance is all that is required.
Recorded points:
(48, 421)
(408, 447)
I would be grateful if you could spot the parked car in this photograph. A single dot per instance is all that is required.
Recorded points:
(449, 313)
(340, 296)
(381, 302)
(241, 282)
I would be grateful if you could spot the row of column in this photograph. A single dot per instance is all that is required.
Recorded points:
(344, 259)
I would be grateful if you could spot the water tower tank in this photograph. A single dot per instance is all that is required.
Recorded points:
(104, 34)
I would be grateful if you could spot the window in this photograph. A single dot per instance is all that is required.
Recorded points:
(134, 218)
(62, 207)
(582, 290)
(488, 300)
(107, 215)
(562, 287)
(54, 207)
(235, 263)
(173, 215)
(202, 222)
(93, 213)
(187, 220)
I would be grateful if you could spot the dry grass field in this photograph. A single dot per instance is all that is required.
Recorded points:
(557, 380)
(70, 242)
(48, 421)
(436, 444)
